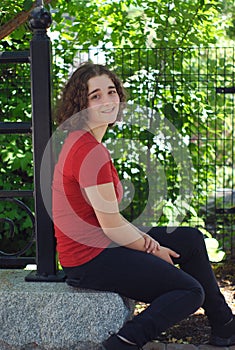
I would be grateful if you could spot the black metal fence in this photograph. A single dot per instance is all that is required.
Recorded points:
(39, 58)
(194, 88)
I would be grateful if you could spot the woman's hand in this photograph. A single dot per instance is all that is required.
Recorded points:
(166, 254)
(150, 244)
(156, 249)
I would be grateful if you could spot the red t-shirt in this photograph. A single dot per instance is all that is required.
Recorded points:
(83, 162)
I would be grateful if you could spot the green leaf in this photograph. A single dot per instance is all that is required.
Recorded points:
(215, 254)
(27, 4)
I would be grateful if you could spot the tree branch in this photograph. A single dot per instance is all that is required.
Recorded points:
(21, 17)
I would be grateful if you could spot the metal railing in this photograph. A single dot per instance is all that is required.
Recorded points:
(39, 59)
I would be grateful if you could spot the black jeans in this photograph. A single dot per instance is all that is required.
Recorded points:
(173, 293)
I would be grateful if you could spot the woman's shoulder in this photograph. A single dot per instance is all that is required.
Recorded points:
(79, 139)
(80, 143)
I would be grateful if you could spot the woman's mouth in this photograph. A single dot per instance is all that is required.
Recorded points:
(109, 110)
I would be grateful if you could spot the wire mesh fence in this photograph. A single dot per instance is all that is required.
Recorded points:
(194, 89)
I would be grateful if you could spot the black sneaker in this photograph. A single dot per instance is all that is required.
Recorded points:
(225, 335)
(115, 343)
(218, 341)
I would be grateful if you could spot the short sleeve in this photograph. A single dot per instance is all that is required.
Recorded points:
(91, 165)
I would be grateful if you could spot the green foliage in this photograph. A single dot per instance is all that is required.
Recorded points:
(15, 106)
(215, 253)
(27, 4)
(228, 8)
(16, 227)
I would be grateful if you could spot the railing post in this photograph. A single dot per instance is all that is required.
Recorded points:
(40, 55)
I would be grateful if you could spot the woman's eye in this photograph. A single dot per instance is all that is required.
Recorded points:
(94, 97)
(112, 92)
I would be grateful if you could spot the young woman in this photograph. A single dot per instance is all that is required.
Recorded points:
(101, 250)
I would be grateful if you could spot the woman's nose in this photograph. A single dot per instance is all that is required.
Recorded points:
(107, 100)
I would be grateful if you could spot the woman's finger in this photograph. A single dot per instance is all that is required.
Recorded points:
(150, 244)
(152, 247)
(173, 253)
(147, 241)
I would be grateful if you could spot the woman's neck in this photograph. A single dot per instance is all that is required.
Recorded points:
(97, 132)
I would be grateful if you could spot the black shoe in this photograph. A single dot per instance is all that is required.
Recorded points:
(225, 335)
(115, 343)
(218, 341)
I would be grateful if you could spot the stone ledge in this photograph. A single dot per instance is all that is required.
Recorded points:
(54, 316)
(149, 346)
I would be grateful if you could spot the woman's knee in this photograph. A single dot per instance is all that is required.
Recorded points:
(199, 240)
(195, 236)
(199, 293)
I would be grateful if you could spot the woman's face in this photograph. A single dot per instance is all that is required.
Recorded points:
(103, 101)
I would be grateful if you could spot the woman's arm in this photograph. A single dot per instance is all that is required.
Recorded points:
(119, 230)
(104, 202)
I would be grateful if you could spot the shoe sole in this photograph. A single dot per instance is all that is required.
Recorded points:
(217, 341)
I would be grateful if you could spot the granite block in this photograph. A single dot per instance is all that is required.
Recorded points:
(56, 316)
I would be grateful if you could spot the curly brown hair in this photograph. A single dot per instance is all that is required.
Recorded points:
(74, 98)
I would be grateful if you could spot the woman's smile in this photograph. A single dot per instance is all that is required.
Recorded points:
(110, 110)
(103, 102)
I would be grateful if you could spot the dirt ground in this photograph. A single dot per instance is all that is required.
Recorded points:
(195, 329)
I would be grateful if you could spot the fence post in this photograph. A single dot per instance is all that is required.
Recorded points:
(40, 55)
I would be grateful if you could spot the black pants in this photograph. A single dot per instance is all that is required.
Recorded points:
(173, 293)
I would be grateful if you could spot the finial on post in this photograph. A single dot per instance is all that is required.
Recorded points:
(40, 20)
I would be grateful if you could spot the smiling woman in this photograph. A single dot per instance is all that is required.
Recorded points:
(100, 249)
(103, 105)
(74, 100)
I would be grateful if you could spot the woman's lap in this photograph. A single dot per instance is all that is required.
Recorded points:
(183, 240)
(135, 274)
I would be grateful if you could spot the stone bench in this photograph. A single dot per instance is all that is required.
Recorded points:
(55, 316)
